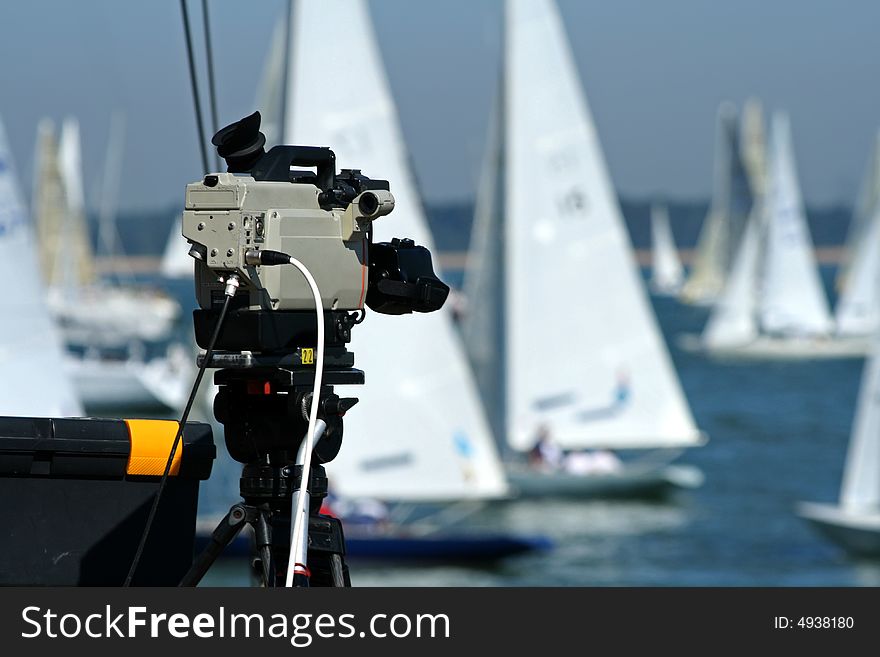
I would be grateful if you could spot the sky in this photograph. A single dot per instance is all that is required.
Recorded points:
(654, 72)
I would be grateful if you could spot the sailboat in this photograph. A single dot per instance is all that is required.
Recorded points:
(33, 383)
(560, 330)
(106, 328)
(667, 274)
(854, 522)
(858, 307)
(725, 222)
(774, 305)
(87, 309)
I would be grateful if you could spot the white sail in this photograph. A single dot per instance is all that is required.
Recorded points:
(76, 265)
(419, 431)
(861, 476)
(863, 215)
(32, 379)
(667, 273)
(858, 308)
(584, 355)
(869, 192)
(792, 299)
(706, 278)
(49, 205)
(725, 221)
(734, 318)
(753, 146)
(176, 261)
(108, 235)
(271, 92)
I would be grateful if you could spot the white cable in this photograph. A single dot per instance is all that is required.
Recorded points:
(299, 538)
(298, 517)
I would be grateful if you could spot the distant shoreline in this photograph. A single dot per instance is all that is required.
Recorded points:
(448, 260)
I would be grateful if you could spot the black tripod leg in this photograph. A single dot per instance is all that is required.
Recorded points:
(337, 570)
(263, 536)
(223, 535)
(327, 552)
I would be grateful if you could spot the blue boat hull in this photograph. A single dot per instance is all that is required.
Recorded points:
(447, 547)
(398, 547)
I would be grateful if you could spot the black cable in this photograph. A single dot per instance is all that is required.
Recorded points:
(192, 396)
(195, 86)
(212, 92)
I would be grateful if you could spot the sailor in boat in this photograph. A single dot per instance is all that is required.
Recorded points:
(547, 456)
(363, 512)
(583, 462)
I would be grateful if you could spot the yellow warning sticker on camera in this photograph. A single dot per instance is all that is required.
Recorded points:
(307, 356)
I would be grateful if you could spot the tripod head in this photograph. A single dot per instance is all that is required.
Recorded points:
(264, 400)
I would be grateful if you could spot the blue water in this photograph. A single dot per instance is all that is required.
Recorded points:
(778, 435)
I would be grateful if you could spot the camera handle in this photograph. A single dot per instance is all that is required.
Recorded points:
(275, 165)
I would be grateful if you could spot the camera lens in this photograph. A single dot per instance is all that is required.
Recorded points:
(368, 204)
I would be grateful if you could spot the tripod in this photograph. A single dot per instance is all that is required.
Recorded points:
(262, 409)
(267, 493)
